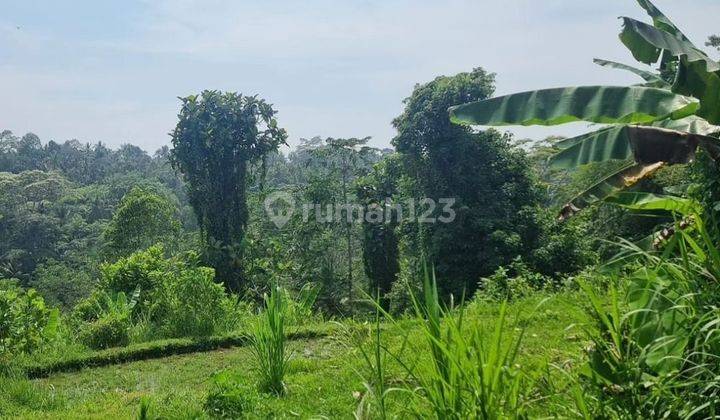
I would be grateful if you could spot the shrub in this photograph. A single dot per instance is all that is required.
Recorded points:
(191, 303)
(176, 297)
(25, 322)
(515, 281)
(88, 309)
(109, 317)
(102, 303)
(143, 269)
(400, 297)
(227, 398)
(109, 331)
(564, 247)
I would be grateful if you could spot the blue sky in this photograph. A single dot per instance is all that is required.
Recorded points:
(111, 71)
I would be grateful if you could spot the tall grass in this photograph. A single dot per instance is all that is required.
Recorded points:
(458, 370)
(472, 372)
(657, 351)
(269, 343)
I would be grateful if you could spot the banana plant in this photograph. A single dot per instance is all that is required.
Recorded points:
(656, 123)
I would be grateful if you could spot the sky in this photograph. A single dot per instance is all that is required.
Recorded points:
(111, 71)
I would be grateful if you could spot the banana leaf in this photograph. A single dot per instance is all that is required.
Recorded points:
(691, 124)
(646, 42)
(649, 201)
(611, 185)
(601, 104)
(653, 79)
(661, 21)
(643, 143)
(693, 80)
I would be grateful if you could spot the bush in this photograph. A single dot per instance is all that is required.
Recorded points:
(143, 269)
(564, 247)
(88, 309)
(176, 297)
(514, 282)
(228, 399)
(191, 303)
(399, 299)
(109, 331)
(25, 322)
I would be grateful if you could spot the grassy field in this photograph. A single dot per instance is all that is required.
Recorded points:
(324, 381)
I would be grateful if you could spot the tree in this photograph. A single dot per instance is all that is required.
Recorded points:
(218, 136)
(713, 41)
(29, 227)
(489, 183)
(144, 218)
(647, 126)
(380, 241)
(344, 157)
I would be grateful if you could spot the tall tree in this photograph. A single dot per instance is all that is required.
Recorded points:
(346, 157)
(489, 180)
(218, 136)
(380, 241)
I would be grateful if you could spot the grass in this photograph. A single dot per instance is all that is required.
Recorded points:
(322, 377)
(42, 365)
(269, 343)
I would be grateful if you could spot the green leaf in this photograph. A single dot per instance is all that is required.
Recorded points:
(605, 144)
(641, 49)
(646, 42)
(648, 201)
(653, 79)
(693, 79)
(601, 104)
(643, 143)
(660, 20)
(691, 124)
(610, 185)
(571, 141)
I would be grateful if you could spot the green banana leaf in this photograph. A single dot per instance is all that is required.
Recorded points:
(604, 144)
(661, 21)
(609, 186)
(601, 104)
(649, 201)
(691, 124)
(571, 141)
(693, 80)
(643, 143)
(641, 49)
(653, 79)
(645, 42)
